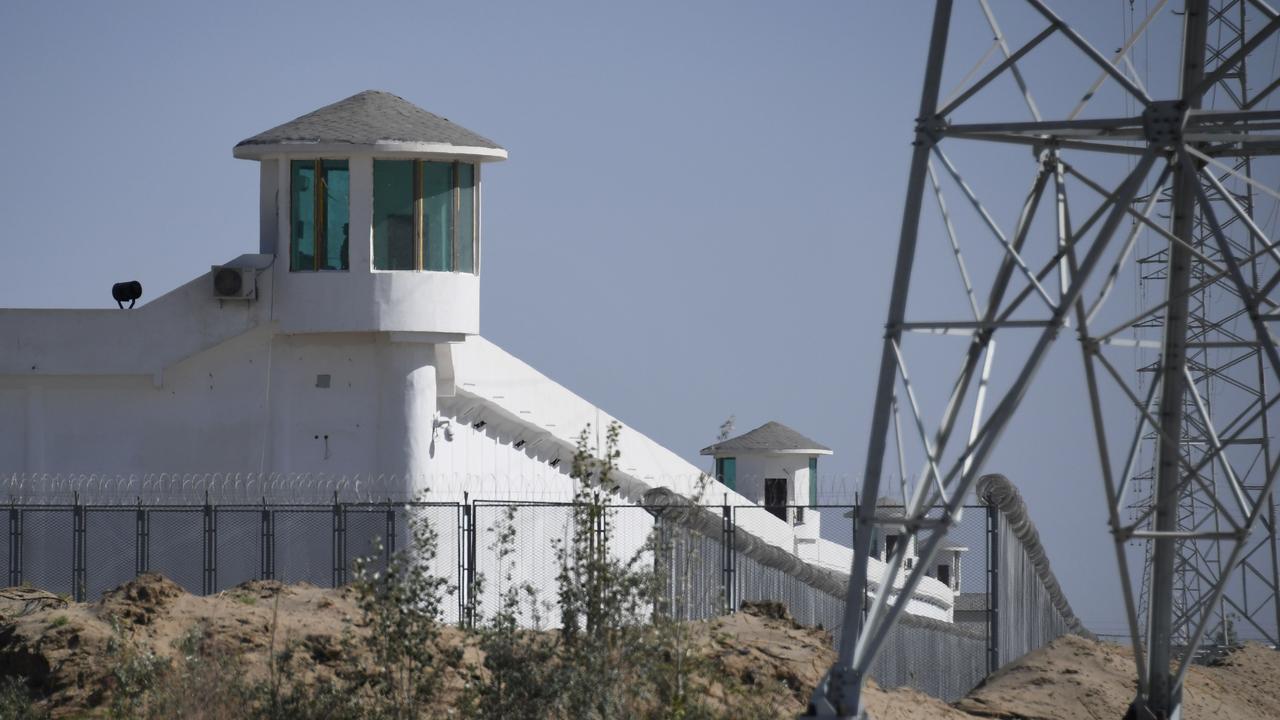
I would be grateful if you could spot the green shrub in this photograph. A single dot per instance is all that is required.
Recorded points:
(401, 606)
(523, 675)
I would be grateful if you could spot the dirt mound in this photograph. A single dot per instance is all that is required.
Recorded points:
(1077, 679)
(769, 609)
(141, 599)
(18, 601)
(763, 647)
(68, 652)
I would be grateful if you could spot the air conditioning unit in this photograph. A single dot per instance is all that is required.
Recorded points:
(234, 283)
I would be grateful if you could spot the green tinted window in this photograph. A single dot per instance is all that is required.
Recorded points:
(424, 216)
(466, 218)
(319, 214)
(437, 215)
(393, 235)
(727, 471)
(813, 482)
(337, 214)
(302, 185)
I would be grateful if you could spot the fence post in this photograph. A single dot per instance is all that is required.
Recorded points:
(267, 556)
(468, 617)
(660, 565)
(78, 589)
(993, 588)
(728, 556)
(602, 530)
(141, 541)
(339, 543)
(15, 544)
(462, 560)
(389, 545)
(210, 536)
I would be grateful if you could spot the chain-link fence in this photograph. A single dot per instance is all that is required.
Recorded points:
(993, 599)
(1029, 607)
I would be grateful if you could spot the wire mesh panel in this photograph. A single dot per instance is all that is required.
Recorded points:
(47, 548)
(177, 545)
(541, 531)
(110, 548)
(443, 520)
(962, 565)
(10, 522)
(239, 546)
(628, 535)
(304, 545)
(933, 657)
(757, 581)
(828, 613)
(1026, 615)
(946, 656)
(691, 573)
(369, 536)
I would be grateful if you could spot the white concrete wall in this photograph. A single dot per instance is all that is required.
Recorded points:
(222, 410)
(186, 383)
(252, 404)
(517, 402)
(143, 341)
(484, 464)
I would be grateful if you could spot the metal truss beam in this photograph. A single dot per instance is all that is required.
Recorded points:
(1054, 268)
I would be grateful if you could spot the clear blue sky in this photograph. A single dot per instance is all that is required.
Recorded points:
(698, 217)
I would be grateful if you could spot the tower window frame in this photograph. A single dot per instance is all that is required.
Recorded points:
(463, 216)
(318, 217)
(727, 472)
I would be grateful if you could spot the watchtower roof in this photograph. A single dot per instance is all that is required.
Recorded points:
(373, 121)
(771, 437)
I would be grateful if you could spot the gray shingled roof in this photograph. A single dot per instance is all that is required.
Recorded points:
(887, 508)
(369, 118)
(769, 437)
(970, 602)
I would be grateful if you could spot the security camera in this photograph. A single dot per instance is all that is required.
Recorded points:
(448, 428)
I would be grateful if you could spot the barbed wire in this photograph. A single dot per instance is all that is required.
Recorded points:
(308, 488)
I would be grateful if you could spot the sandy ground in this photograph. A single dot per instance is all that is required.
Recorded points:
(64, 650)
(765, 643)
(1077, 679)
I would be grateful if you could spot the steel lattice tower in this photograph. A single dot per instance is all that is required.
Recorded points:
(1120, 166)
(1226, 369)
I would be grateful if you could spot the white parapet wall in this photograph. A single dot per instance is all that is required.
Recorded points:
(513, 403)
(150, 401)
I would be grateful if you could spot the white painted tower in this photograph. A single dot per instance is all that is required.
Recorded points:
(325, 353)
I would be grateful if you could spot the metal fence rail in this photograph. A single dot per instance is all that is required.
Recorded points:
(708, 561)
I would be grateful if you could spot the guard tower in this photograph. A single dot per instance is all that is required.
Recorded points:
(371, 208)
(324, 354)
(777, 468)
(370, 217)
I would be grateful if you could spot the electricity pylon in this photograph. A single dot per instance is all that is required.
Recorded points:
(1227, 370)
(1096, 180)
